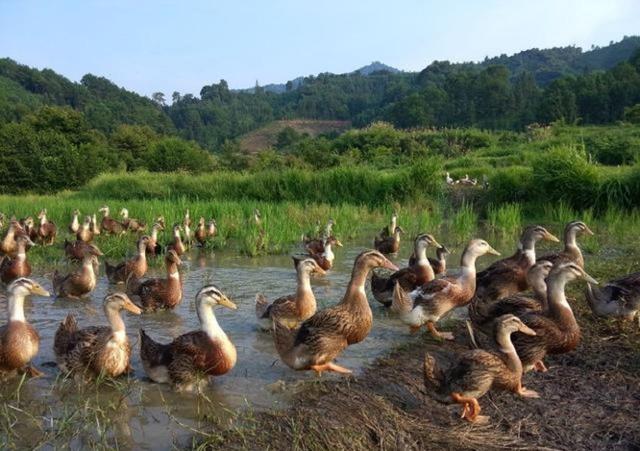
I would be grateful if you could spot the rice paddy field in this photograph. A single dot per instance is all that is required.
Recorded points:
(590, 397)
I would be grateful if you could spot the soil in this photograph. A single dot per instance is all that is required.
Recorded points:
(589, 399)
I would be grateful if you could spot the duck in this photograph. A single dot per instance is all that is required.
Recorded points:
(8, 245)
(96, 351)
(557, 331)
(85, 232)
(390, 244)
(206, 352)
(320, 339)
(389, 229)
(261, 232)
(326, 258)
(17, 267)
(316, 244)
(201, 232)
(428, 303)
(571, 251)
(617, 298)
(80, 283)
(409, 278)
(75, 250)
(439, 264)
(19, 341)
(108, 224)
(509, 275)
(292, 309)
(136, 265)
(176, 244)
(153, 248)
(158, 293)
(448, 179)
(482, 315)
(75, 223)
(95, 226)
(475, 372)
(186, 227)
(47, 230)
(212, 228)
(131, 224)
(29, 228)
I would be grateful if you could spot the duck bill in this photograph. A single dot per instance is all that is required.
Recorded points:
(97, 252)
(226, 302)
(132, 308)
(589, 279)
(40, 291)
(551, 237)
(492, 251)
(588, 231)
(527, 330)
(437, 245)
(338, 243)
(320, 272)
(388, 265)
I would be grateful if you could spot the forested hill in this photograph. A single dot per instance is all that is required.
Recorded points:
(505, 92)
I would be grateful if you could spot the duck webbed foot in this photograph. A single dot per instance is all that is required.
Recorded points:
(526, 393)
(438, 334)
(330, 366)
(470, 409)
(540, 367)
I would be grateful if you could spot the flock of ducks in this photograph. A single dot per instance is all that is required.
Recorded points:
(516, 330)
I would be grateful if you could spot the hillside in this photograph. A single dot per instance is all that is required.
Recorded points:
(267, 136)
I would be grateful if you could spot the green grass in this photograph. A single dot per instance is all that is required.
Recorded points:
(505, 219)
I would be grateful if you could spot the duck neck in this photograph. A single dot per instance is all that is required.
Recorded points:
(527, 246)
(142, 250)
(22, 252)
(117, 324)
(558, 305)
(570, 243)
(16, 307)
(303, 289)
(43, 219)
(209, 323)
(172, 272)
(328, 252)
(420, 250)
(396, 235)
(105, 213)
(154, 234)
(355, 295)
(74, 221)
(87, 266)
(506, 347)
(393, 224)
(468, 266)
(540, 291)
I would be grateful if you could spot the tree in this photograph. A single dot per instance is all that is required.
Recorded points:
(175, 97)
(158, 98)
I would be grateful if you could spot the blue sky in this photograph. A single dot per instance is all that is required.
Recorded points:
(158, 45)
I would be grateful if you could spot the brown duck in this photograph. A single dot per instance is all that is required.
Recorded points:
(153, 294)
(571, 251)
(110, 225)
(131, 224)
(431, 301)
(136, 266)
(96, 350)
(79, 283)
(320, 339)
(482, 315)
(390, 244)
(8, 245)
(85, 232)
(75, 250)
(509, 276)
(153, 248)
(315, 244)
(206, 352)
(439, 264)
(176, 243)
(201, 232)
(326, 258)
(18, 266)
(477, 371)
(47, 230)
(291, 310)
(557, 331)
(19, 341)
(408, 278)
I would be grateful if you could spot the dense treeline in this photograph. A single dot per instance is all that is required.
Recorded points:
(506, 92)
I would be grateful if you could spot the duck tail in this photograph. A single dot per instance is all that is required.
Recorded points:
(109, 270)
(63, 341)
(284, 339)
(262, 306)
(151, 352)
(401, 303)
(434, 378)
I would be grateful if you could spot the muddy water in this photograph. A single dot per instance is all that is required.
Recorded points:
(151, 416)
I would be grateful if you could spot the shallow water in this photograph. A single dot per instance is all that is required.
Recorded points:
(144, 421)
